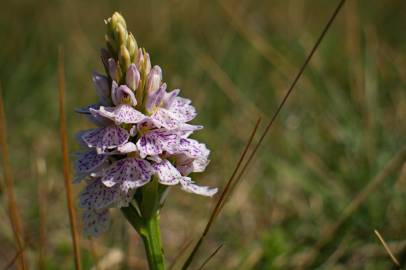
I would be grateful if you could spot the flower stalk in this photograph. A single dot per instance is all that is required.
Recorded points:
(151, 236)
(147, 225)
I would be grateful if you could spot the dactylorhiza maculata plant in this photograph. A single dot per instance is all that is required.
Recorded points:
(141, 145)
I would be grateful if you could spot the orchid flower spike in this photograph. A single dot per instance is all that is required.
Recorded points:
(142, 143)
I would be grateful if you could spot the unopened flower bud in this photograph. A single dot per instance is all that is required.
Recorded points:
(154, 99)
(112, 66)
(139, 59)
(124, 58)
(133, 77)
(122, 95)
(147, 63)
(121, 35)
(116, 33)
(154, 79)
(118, 19)
(143, 62)
(132, 46)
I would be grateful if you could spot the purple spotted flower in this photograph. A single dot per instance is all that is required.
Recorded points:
(142, 135)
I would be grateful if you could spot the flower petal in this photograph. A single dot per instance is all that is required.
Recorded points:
(128, 173)
(170, 98)
(154, 98)
(87, 162)
(97, 196)
(163, 118)
(190, 148)
(122, 114)
(187, 165)
(167, 173)
(189, 186)
(105, 138)
(155, 142)
(127, 148)
(182, 109)
(95, 222)
(122, 94)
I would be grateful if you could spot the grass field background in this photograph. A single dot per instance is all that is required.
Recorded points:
(343, 128)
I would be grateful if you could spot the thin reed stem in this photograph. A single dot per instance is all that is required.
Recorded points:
(223, 195)
(210, 257)
(275, 115)
(14, 214)
(183, 248)
(66, 165)
(292, 86)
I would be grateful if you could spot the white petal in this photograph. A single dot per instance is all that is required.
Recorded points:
(88, 162)
(98, 196)
(189, 186)
(122, 114)
(182, 110)
(105, 138)
(129, 173)
(95, 222)
(167, 173)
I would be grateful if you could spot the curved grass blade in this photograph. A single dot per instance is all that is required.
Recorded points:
(210, 257)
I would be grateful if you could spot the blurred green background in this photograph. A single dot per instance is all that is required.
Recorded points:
(341, 128)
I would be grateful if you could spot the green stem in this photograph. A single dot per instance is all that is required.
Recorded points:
(151, 236)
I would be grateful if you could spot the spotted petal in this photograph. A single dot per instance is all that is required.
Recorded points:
(189, 186)
(96, 195)
(122, 114)
(190, 148)
(128, 173)
(182, 109)
(163, 118)
(88, 162)
(95, 222)
(187, 165)
(105, 138)
(167, 173)
(155, 142)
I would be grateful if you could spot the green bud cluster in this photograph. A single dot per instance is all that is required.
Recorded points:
(120, 43)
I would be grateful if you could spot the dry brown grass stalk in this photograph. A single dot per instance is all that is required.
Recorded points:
(66, 165)
(13, 211)
(388, 250)
(184, 247)
(15, 258)
(221, 199)
(210, 257)
(230, 185)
